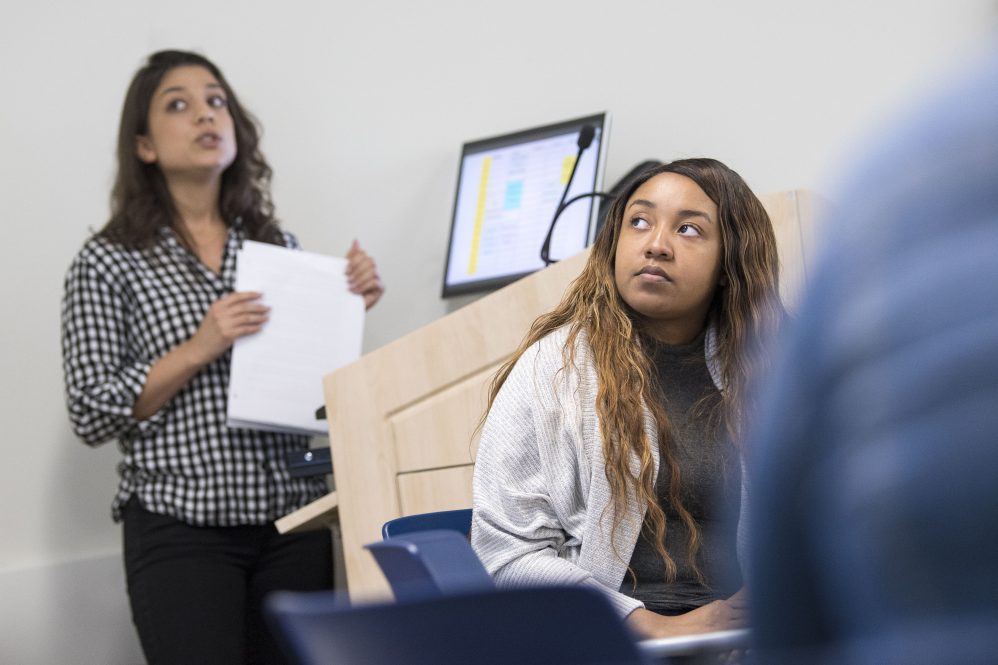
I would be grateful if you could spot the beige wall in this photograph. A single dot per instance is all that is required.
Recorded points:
(365, 105)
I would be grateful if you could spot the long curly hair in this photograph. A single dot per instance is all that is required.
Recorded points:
(141, 203)
(745, 312)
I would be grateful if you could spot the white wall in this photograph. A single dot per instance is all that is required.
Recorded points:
(365, 105)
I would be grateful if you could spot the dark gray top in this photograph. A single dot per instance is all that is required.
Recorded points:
(710, 476)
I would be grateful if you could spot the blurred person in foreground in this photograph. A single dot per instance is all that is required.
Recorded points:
(874, 457)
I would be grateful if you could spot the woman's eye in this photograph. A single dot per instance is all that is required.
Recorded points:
(176, 105)
(688, 230)
(640, 223)
(217, 101)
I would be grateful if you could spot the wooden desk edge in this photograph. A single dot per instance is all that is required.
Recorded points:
(316, 515)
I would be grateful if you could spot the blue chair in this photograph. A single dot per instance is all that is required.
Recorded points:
(539, 625)
(291, 615)
(421, 565)
(455, 520)
(430, 563)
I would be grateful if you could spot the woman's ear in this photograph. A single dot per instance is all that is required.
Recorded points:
(144, 149)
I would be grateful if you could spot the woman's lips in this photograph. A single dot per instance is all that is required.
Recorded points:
(209, 140)
(653, 274)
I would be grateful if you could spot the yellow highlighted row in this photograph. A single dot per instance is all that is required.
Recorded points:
(476, 236)
(566, 168)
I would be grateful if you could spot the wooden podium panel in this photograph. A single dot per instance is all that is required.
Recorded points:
(403, 419)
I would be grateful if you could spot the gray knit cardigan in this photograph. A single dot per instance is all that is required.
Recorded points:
(542, 506)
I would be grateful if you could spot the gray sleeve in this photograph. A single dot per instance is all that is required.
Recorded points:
(520, 497)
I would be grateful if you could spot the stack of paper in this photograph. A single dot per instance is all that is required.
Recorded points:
(316, 326)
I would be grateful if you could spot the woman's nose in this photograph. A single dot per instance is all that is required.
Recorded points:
(659, 245)
(206, 113)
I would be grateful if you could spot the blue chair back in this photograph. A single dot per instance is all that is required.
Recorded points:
(295, 618)
(530, 626)
(430, 563)
(455, 520)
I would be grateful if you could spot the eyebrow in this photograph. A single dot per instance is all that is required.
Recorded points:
(642, 202)
(180, 88)
(683, 214)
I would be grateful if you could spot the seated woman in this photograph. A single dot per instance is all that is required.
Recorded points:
(609, 454)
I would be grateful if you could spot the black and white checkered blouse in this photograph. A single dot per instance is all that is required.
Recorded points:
(122, 310)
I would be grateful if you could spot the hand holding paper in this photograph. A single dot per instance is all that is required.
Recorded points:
(232, 316)
(362, 275)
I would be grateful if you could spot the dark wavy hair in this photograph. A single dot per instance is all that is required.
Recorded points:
(141, 203)
(746, 312)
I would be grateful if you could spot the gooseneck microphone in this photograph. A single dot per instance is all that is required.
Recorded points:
(586, 135)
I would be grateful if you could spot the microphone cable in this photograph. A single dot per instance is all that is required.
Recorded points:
(561, 209)
(586, 135)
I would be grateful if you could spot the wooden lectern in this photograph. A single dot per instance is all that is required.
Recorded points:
(403, 419)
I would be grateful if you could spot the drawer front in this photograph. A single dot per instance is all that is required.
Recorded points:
(439, 489)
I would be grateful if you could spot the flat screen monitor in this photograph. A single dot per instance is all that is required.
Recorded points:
(508, 188)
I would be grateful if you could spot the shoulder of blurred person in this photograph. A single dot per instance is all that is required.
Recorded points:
(874, 453)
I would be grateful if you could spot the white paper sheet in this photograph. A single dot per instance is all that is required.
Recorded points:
(316, 326)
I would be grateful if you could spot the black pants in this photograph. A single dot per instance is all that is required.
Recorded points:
(196, 592)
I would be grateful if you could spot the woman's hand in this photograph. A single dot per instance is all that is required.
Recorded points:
(727, 614)
(232, 316)
(362, 276)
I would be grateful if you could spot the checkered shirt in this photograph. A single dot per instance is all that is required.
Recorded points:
(121, 311)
